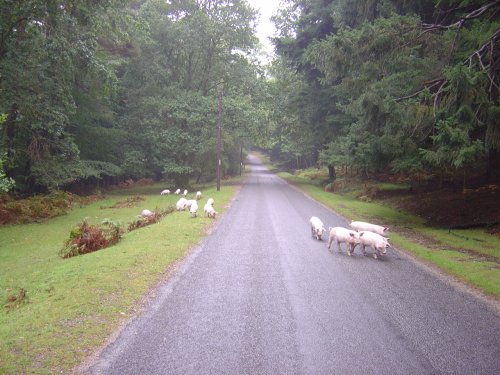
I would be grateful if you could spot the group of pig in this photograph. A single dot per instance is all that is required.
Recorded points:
(364, 234)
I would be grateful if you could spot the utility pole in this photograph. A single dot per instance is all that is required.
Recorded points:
(241, 156)
(219, 138)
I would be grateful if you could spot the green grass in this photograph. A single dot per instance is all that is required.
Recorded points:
(471, 255)
(74, 304)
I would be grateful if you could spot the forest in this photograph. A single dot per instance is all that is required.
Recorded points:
(93, 93)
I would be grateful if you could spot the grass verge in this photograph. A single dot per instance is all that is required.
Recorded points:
(471, 255)
(68, 307)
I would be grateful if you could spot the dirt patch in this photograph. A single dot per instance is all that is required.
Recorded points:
(446, 208)
(127, 203)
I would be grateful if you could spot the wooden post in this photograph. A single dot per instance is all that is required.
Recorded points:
(241, 156)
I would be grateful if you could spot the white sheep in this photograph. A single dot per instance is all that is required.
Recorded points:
(375, 240)
(189, 202)
(343, 235)
(211, 212)
(178, 191)
(193, 208)
(198, 195)
(181, 204)
(165, 192)
(185, 193)
(209, 208)
(146, 213)
(317, 227)
(361, 226)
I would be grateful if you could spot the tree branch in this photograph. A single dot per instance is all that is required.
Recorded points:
(469, 16)
(489, 45)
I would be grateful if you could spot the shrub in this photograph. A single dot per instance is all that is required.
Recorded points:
(153, 219)
(86, 238)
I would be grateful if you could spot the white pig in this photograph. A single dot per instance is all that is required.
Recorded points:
(317, 227)
(375, 240)
(361, 225)
(343, 235)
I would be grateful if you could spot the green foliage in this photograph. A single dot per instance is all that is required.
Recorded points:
(125, 90)
(377, 82)
(49, 61)
(97, 169)
(452, 147)
(6, 183)
(170, 91)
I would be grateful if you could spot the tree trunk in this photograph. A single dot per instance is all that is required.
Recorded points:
(10, 130)
(331, 172)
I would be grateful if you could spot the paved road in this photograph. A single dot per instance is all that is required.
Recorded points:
(261, 296)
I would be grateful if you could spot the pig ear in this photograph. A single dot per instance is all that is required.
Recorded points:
(351, 234)
(386, 229)
(361, 234)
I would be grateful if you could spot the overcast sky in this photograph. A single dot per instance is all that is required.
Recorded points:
(265, 29)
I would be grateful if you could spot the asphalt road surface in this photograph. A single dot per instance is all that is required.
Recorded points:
(261, 296)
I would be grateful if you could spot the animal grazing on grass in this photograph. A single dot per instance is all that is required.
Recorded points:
(146, 213)
(193, 208)
(189, 202)
(185, 192)
(209, 208)
(198, 195)
(178, 191)
(181, 204)
(165, 192)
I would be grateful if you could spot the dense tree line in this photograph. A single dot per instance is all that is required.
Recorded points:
(121, 89)
(95, 91)
(389, 86)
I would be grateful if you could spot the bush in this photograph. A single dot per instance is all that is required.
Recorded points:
(153, 219)
(86, 238)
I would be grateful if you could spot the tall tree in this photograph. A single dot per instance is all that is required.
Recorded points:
(169, 92)
(397, 75)
(46, 47)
